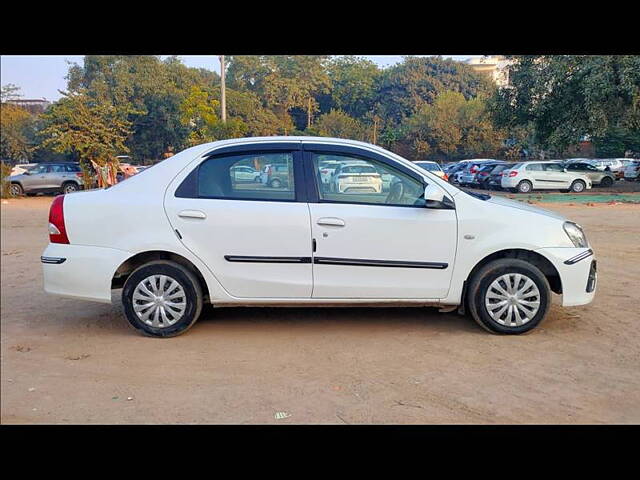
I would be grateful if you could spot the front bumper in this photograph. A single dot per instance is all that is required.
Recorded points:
(578, 273)
(79, 271)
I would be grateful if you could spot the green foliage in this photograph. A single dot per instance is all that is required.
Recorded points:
(92, 128)
(338, 124)
(17, 130)
(567, 97)
(453, 127)
(405, 88)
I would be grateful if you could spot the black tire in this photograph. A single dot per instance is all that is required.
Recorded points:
(606, 182)
(481, 281)
(525, 186)
(275, 183)
(578, 186)
(15, 189)
(188, 282)
(70, 187)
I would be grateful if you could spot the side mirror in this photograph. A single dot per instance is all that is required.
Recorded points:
(434, 197)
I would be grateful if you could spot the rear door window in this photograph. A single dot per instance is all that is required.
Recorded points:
(232, 177)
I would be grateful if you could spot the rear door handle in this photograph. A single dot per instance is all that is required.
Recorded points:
(334, 222)
(192, 214)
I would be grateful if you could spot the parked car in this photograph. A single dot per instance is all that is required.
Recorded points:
(244, 173)
(21, 168)
(488, 172)
(356, 178)
(606, 164)
(467, 175)
(327, 169)
(275, 176)
(47, 177)
(527, 176)
(433, 167)
(597, 177)
(632, 172)
(180, 235)
(455, 170)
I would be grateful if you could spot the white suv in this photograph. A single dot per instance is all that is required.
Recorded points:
(184, 232)
(527, 176)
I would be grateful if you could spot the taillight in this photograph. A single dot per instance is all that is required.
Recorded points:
(513, 173)
(79, 174)
(446, 177)
(57, 230)
(483, 174)
(473, 170)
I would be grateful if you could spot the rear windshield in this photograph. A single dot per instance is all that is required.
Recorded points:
(358, 169)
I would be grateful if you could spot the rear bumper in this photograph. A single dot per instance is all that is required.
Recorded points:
(78, 271)
(578, 274)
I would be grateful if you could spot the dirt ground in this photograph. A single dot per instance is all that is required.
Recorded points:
(69, 361)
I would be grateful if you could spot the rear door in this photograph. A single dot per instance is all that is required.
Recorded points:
(377, 244)
(255, 238)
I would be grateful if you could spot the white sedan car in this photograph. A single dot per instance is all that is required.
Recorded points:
(184, 232)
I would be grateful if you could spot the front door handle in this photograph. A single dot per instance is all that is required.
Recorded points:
(192, 214)
(334, 222)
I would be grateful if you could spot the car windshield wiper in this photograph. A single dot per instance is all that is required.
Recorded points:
(481, 196)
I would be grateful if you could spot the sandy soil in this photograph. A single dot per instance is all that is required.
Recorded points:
(68, 361)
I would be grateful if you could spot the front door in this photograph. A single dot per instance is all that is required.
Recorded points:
(377, 240)
(255, 238)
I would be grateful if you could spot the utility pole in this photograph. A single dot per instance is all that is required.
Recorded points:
(223, 95)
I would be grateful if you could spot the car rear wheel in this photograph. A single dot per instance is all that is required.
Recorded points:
(275, 183)
(606, 182)
(162, 299)
(525, 186)
(70, 187)
(578, 186)
(508, 296)
(15, 190)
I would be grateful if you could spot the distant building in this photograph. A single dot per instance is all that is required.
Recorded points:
(495, 67)
(32, 105)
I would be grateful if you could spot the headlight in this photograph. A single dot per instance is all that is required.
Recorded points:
(575, 233)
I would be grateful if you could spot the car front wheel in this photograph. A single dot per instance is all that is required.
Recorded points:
(578, 186)
(162, 299)
(508, 296)
(15, 190)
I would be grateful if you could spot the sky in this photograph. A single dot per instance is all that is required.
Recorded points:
(41, 76)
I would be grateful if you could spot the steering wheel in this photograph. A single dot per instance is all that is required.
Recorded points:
(396, 193)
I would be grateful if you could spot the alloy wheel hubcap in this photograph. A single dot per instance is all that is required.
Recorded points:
(159, 301)
(512, 300)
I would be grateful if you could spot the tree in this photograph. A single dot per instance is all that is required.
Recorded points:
(199, 113)
(151, 90)
(9, 92)
(567, 97)
(408, 86)
(453, 127)
(93, 129)
(338, 124)
(16, 133)
(354, 81)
